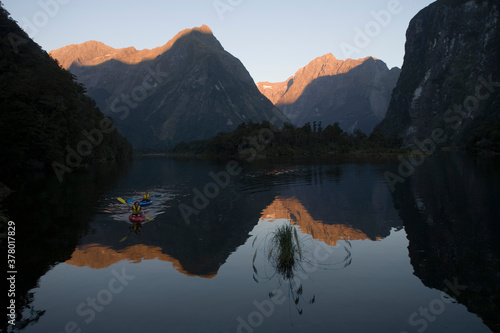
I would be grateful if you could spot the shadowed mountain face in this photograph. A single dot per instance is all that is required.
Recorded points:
(45, 113)
(188, 89)
(354, 93)
(450, 75)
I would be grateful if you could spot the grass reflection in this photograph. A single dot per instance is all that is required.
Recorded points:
(290, 256)
(283, 251)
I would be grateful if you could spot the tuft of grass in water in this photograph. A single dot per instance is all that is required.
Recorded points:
(284, 253)
(285, 246)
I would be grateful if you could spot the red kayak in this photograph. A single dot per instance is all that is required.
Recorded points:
(136, 218)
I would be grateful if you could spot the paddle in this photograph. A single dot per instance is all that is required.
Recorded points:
(124, 202)
(124, 238)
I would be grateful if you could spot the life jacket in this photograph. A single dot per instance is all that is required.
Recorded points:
(136, 210)
(146, 197)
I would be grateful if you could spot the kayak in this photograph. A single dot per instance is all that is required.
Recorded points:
(136, 218)
(145, 203)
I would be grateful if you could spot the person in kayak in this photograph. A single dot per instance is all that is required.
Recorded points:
(136, 209)
(146, 197)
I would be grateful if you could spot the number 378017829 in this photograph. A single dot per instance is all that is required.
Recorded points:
(11, 240)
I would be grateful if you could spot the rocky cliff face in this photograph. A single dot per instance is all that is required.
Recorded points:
(188, 89)
(354, 93)
(448, 82)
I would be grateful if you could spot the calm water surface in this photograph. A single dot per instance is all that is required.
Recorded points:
(422, 258)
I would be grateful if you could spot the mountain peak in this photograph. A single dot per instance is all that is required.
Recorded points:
(352, 92)
(188, 89)
(289, 91)
(328, 56)
(92, 53)
(204, 28)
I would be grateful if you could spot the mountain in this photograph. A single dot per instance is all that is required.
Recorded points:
(93, 53)
(47, 120)
(354, 93)
(293, 210)
(448, 91)
(188, 89)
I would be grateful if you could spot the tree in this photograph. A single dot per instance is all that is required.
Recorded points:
(306, 128)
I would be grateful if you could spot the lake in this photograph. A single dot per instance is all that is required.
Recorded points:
(421, 256)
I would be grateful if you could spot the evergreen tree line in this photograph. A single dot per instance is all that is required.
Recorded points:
(45, 111)
(310, 139)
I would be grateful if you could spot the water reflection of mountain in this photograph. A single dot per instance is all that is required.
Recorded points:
(353, 195)
(198, 248)
(50, 217)
(343, 202)
(450, 212)
(293, 210)
(99, 256)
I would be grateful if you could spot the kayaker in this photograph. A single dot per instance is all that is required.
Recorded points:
(146, 197)
(136, 209)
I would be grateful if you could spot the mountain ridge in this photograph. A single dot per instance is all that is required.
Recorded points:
(353, 92)
(97, 52)
(330, 65)
(193, 90)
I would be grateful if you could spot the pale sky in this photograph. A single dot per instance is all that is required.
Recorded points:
(273, 39)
